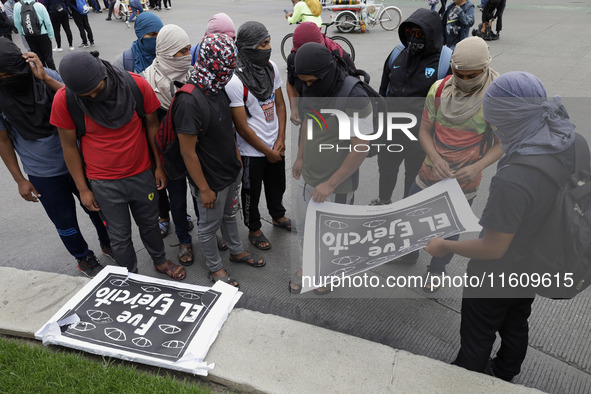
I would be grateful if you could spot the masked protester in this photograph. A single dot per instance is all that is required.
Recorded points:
(409, 76)
(303, 33)
(211, 156)
(326, 175)
(117, 174)
(26, 95)
(453, 132)
(527, 123)
(259, 120)
(143, 50)
(172, 67)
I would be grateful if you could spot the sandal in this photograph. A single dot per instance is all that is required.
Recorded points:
(428, 285)
(221, 244)
(190, 225)
(294, 290)
(186, 255)
(164, 227)
(174, 271)
(258, 240)
(226, 279)
(286, 224)
(322, 290)
(249, 259)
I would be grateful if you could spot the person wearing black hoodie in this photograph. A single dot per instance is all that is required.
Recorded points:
(409, 75)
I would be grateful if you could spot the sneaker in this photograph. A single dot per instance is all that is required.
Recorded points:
(92, 44)
(107, 251)
(89, 265)
(167, 8)
(377, 201)
(127, 23)
(58, 49)
(108, 19)
(72, 48)
(83, 45)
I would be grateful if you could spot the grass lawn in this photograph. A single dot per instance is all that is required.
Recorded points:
(27, 367)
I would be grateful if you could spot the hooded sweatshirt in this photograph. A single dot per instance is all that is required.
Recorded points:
(413, 74)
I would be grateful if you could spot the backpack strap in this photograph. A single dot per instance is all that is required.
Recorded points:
(244, 98)
(582, 160)
(137, 96)
(439, 91)
(128, 60)
(191, 89)
(444, 61)
(345, 91)
(194, 53)
(395, 53)
(76, 113)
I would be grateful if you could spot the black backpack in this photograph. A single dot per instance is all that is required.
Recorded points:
(561, 255)
(78, 115)
(378, 103)
(29, 20)
(167, 141)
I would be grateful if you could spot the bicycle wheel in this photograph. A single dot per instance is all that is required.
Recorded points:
(345, 44)
(346, 21)
(390, 18)
(286, 45)
(124, 12)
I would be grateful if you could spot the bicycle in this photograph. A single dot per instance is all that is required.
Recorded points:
(363, 13)
(122, 9)
(287, 43)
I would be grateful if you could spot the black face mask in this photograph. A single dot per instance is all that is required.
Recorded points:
(415, 45)
(260, 57)
(103, 95)
(17, 84)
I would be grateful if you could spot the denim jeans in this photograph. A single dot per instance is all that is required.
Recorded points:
(57, 198)
(437, 265)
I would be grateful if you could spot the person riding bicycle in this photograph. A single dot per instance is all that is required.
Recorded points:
(303, 13)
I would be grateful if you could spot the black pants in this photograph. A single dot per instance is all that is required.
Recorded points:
(41, 45)
(258, 170)
(389, 163)
(60, 19)
(482, 318)
(169, 3)
(84, 27)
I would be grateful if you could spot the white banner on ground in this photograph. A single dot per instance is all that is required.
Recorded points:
(142, 319)
(344, 240)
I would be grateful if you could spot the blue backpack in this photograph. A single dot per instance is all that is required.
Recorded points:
(82, 7)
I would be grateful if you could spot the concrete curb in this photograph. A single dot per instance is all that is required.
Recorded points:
(258, 352)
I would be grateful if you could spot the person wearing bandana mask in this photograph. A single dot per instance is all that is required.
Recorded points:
(211, 155)
(326, 175)
(172, 65)
(453, 132)
(26, 94)
(143, 50)
(520, 199)
(409, 76)
(259, 121)
(117, 175)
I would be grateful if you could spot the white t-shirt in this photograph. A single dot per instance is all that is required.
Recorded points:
(263, 121)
